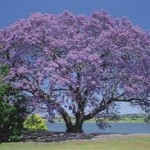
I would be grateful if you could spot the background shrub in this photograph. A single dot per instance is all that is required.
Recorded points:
(12, 109)
(11, 116)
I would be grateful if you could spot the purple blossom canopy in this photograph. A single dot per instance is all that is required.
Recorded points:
(76, 62)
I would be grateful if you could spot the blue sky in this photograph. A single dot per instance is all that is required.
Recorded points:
(138, 11)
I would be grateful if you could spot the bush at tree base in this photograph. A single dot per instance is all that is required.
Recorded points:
(34, 122)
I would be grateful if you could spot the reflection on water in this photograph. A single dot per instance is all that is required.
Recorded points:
(115, 128)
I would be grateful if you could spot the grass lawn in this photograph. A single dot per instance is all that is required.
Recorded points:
(117, 143)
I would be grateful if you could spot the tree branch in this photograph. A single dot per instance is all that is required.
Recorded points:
(104, 104)
(59, 89)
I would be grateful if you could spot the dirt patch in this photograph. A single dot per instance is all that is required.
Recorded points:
(104, 137)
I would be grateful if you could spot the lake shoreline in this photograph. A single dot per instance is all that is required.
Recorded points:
(107, 122)
(118, 128)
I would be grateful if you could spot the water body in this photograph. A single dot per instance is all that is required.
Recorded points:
(122, 128)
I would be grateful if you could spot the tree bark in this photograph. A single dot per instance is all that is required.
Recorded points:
(70, 127)
(76, 128)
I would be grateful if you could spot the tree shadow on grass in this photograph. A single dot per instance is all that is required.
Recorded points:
(60, 136)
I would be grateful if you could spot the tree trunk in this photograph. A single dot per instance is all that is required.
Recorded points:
(76, 128)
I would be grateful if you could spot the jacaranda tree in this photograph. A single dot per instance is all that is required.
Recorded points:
(78, 65)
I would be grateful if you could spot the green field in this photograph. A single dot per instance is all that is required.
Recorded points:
(129, 118)
(127, 143)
